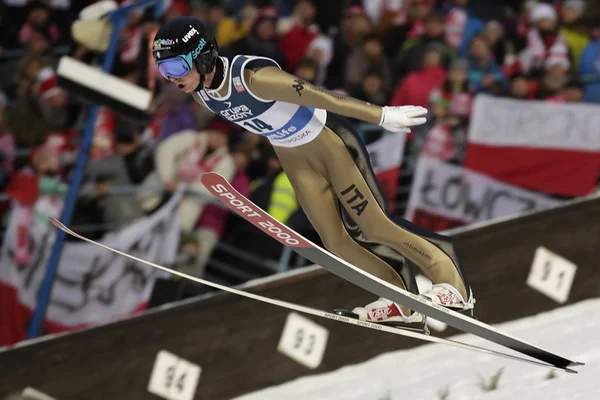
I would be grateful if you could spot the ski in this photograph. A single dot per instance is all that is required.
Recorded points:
(238, 203)
(317, 312)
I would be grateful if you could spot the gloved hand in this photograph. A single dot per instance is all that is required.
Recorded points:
(400, 119)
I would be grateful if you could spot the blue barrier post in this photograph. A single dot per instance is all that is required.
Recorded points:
(119, 19)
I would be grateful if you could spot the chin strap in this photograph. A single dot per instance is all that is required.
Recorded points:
(201, 84)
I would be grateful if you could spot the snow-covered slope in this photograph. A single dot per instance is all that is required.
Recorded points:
(426, 372)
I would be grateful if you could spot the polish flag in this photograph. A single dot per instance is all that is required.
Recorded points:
(546, 147)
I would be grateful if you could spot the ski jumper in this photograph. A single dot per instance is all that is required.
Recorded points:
(329, 169)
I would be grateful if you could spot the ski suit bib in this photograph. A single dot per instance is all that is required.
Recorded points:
(284, 124)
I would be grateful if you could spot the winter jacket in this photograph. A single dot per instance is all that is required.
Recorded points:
(118, 210)
(174, 162)
(417, 86)
(294, 44)
(590, 72)
(275, 194)
(410, 57)
(477, 73)
(230, 30)
(577, 43)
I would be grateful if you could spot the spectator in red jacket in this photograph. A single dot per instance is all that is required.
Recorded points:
(294, 44)
(417, 86)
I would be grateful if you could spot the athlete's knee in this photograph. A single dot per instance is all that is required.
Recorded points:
(376, 231)
(336, 243)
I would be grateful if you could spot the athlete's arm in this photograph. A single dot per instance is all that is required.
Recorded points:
(271, 83)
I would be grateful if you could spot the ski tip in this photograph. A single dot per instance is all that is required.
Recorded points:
(59, 225)
(55, 222)
(576, 364)
(571, 371)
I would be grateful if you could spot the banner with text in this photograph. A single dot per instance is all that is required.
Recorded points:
(92, 285)
(543, 146)
(386, 158)
(445, 195)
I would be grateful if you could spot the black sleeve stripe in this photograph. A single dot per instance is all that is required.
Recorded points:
(255, 65)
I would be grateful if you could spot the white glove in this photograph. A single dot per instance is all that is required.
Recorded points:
(400, 119)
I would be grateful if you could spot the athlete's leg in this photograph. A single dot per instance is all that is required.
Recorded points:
(320, 204)
(352, 189)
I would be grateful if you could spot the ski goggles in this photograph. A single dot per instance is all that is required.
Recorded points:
(176, 67)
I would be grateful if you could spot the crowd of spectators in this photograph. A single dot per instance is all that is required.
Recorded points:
(434, 53)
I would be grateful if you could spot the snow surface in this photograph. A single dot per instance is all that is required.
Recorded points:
(426, 371)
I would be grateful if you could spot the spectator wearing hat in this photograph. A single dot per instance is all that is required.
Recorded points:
(53, 100)
(555, 78)
(40, 112)
(543, 41)
(37, 189)
(320, 51)
(574, 30)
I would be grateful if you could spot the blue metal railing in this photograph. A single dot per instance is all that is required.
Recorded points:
(9, 54)
(119, 21)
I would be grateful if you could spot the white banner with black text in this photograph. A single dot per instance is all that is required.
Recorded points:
(92, 285)
(445, 195)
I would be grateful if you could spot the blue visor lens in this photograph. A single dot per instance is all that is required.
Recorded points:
(176, 67)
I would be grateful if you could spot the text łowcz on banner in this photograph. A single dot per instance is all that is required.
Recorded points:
(445, 195)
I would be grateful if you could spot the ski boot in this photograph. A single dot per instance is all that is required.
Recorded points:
(447, 296)
(386, 312)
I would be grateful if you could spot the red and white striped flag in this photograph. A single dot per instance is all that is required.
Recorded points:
(546, 147)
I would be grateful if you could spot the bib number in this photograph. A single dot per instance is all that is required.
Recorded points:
(258, 125)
